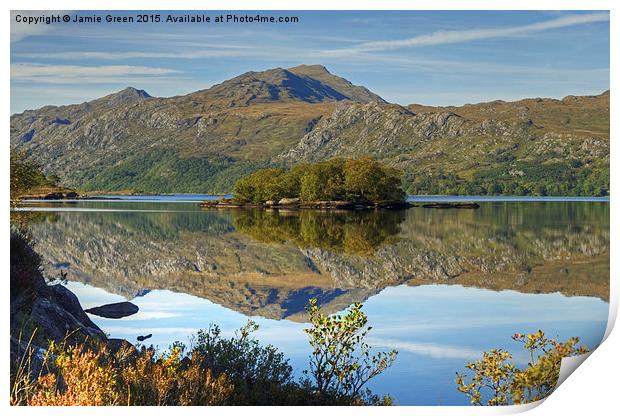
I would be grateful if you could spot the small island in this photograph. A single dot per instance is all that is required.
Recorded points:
(347, 184)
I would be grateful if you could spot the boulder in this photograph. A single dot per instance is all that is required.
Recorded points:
(114, 310)
(52, 310)
(288, 201)
(57, 323)
(70, 303)
(71, 195)
(54, 196)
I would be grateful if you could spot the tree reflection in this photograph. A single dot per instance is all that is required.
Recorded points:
(344, 232)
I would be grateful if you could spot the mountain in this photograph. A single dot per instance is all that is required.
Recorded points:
(524, 144)
(204, 141)
(305, 83)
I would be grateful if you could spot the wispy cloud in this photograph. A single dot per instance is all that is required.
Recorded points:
(460, 36)
(21, 31)
(59, 74)
(232, 51)
(429, 349)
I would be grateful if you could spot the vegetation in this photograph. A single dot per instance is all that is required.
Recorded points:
(25, 175)
(341, 363)
(496, 381)
(211, 371)
(519, 178)
(206, 140)
(165, 171)
(25, 261)
(363, 180)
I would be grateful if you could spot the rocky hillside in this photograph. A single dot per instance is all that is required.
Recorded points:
(204, 141)
(528, 143)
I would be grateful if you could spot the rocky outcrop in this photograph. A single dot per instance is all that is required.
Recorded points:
(403, 134)
(60, 315)
(39, 312)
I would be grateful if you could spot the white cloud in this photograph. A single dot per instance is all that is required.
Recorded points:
(432, 350)
(20, 30)
(59, 74)
(460, 36)
(231, 51)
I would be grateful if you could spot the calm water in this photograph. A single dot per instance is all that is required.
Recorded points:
(440, 286)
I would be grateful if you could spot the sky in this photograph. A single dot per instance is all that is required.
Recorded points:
(425, 57)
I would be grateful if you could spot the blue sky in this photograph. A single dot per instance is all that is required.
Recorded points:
(428, 57)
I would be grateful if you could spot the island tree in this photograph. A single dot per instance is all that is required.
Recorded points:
(363, 180)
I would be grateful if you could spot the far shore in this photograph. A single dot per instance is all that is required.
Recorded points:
(54, 193)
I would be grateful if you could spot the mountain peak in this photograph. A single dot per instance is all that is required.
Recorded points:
(132, 92)
(352, 92)
(304, 69)
(127, 95)
(307, 83)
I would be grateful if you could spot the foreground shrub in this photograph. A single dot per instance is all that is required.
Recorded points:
(213, 371)
(341, 363)
(496, 381)
(82, 377)
(261, 374)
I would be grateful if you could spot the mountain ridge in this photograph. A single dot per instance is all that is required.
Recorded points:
(205, 140)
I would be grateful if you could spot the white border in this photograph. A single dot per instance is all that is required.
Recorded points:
(591, 390)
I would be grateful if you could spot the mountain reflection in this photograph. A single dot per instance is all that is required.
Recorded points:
(270, 263)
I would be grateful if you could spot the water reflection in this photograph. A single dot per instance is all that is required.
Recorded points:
(270, 263)
(435, 328)
(339, 231)
(423, 274)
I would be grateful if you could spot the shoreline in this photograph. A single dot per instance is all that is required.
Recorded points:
(334, 205)
(65, 194)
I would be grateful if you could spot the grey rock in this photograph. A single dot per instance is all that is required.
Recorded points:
(114, 310)
(288, 201)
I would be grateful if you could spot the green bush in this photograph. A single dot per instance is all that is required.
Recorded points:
(341, 362)
(323, 181)
(495, 381)
(261, 374)
(259, 186)
(24, 175)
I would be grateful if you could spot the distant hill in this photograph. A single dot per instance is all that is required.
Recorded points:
(204, 141)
